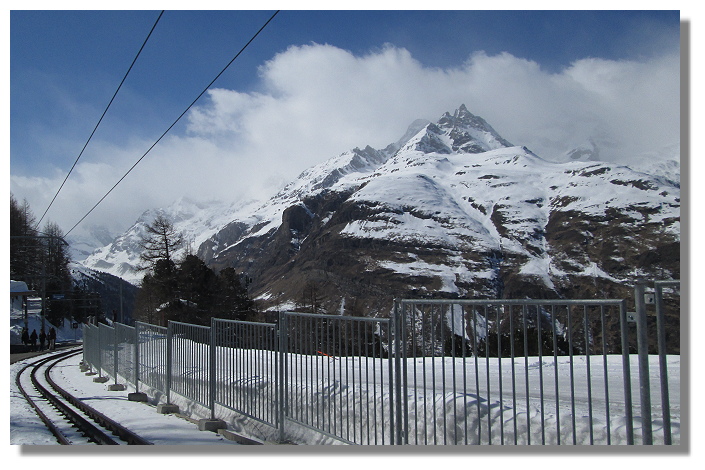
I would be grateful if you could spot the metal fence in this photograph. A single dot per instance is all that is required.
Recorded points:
(151, 357)
(246, 368)
(514, 371)
(189, 362)
(339, 380)
(91, 348)
(124, 354)
(436, 372)
(106, 340)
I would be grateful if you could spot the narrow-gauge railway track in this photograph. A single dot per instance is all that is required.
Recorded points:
(69, 419)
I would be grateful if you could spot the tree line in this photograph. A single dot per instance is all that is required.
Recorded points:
(173, 288)
(40, 258)
(184, 288)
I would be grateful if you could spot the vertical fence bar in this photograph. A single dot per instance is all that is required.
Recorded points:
(572, 371)
(136, 354)
(464, 348)
(405, 385)
(397, 374)
(626, 373)
(605, 374)
(539, 339)
(586, 326)
(526, 375)
(476, 358)
(514, 385)
(663, 369)
(169, 361)
(115, 353)
(501, 380)
(455, 384)
(643, 353)
(441, 317)
(281, 379)
(212, 372)
(555, 373)
(99, 351)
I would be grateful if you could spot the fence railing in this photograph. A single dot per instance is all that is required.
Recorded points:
(338, 378)
(246, 368)
(152, 357)
(514, 371)
(436, 372)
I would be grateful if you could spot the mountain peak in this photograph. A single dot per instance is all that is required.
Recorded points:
(585, 153)
(460, 132)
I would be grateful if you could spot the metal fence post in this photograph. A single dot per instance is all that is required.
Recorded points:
(115, 352)
(99, 366)
(626, 372)
(643, 352)
(397, 376)
(85, 344)
(663, 368)
(137, 357)
(282, 333)
(169, 337)
(211, 375)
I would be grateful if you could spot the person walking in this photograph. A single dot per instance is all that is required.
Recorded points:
(25, 336)
(52, 338)
(42, 339)
(33, 339)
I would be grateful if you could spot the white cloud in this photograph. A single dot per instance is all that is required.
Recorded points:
(316, 101)
(319, 100)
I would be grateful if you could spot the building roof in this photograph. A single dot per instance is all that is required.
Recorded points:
(20, 288)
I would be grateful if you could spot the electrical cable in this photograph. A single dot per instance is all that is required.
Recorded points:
(175, 122)
(100, 120)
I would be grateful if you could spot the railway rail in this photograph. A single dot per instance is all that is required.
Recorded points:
(69, 419)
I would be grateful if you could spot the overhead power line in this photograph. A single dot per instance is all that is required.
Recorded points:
(176, 121)
(101, 119)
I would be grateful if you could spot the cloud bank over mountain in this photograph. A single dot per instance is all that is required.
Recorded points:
(313, 101)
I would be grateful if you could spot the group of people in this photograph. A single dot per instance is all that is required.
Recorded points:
(31, 339)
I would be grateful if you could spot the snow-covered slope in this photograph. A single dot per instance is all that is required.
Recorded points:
(195, 221)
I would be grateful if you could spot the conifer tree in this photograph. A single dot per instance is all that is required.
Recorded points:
(159, 245)
(56, 270)
(25, 250)
(160, 242)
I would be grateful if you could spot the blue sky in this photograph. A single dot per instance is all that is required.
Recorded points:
(312, 85)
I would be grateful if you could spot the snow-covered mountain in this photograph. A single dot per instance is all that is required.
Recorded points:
(451, 209)
(83, 244)
(195, 221)
(116, 295)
